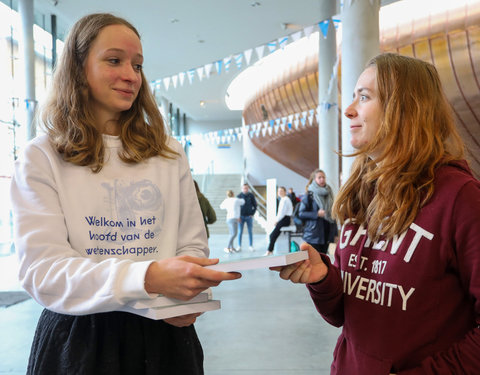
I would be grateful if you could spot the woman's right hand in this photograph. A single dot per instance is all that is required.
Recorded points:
(321, 213)
(311, 270)
(183, 277)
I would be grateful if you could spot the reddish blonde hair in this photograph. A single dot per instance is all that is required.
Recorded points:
(417, 134)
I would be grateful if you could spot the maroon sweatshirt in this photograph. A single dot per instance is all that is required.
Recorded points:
(411, 305)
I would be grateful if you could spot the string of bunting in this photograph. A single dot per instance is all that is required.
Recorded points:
(240, 59)
(260, 129)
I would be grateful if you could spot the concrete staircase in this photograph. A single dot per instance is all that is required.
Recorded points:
(215, 189)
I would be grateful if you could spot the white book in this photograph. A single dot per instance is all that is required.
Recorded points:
(163, 301)
(175, 310)
(260, 262)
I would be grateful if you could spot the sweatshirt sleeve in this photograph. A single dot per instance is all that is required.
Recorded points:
(463, 357)
(327, 295)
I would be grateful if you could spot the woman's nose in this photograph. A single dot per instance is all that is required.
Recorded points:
(350, 112)
(129, 73)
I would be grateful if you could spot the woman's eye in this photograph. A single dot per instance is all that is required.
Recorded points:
(113, 60)
(138, 67)
(363, 98)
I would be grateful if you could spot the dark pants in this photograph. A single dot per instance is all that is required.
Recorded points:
(285, 222)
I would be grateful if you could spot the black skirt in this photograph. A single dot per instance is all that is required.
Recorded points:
(112, 343)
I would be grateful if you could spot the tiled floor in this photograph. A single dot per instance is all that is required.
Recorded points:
(266, 325)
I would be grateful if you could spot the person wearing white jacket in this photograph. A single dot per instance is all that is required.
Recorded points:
(284, 214)
(106, 214)
(233, 207)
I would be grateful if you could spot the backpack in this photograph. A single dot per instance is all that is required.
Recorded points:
(299, 222)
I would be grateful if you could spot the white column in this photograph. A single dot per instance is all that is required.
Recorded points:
(25, 8)
(360, 42)
(328, 106)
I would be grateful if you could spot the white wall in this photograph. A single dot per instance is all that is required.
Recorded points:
(206, 157)
(260, 167)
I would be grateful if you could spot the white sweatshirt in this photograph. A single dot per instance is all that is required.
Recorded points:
(85, 240)
(233, 206)
(285, 208)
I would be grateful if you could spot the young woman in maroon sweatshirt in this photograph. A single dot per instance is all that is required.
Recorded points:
(405, 284)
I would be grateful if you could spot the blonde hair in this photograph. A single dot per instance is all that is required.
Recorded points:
(230, 193)
(417, 134)
(312, 177)
(66, 114)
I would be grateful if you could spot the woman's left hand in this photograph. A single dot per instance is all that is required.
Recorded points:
(182, 320)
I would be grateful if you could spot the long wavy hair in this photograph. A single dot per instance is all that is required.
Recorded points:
(417, 134)
(69, 121)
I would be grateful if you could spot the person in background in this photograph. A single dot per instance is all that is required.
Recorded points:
(293, 197)
(209, 215)
(105, 214)
(316, 211)
(284, 213)
(246, 216)
(405, 284)
(232, 205)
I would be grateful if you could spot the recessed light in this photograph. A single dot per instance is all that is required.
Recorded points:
(202, 103)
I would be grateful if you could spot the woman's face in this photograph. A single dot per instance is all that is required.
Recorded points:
(113, 71)
(365, 112)
(320, 179)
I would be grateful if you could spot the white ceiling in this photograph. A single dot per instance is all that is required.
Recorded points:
(204, 32)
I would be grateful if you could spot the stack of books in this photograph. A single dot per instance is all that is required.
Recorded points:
(162, 307)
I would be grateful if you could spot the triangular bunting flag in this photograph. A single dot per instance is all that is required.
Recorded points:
(166, 82)
(296, 36)
(200, 72)
(174, 80)
(238, 60)
(336, 23)
(248, 55)
(324, 27)
(282, 42)
(272, 46)
(191, 74)
(308, 30)
(260, 50)
(218, 65)
(226, 63)
(208, 69)
(181, 78)
(264, 131)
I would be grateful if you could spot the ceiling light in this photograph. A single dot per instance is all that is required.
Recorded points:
(202, 103)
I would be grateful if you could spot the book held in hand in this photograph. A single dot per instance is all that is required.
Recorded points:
(174, 310)
(260, 262)
(163, 301)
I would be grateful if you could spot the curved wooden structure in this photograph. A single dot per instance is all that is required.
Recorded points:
(451, 41)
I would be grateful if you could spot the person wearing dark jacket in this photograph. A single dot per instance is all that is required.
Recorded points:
(209, 215)
(246, 215)
(405, 284)
(315, 210)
